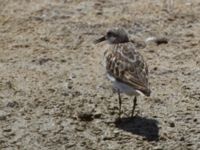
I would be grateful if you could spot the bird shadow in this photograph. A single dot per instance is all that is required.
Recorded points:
(147, 128)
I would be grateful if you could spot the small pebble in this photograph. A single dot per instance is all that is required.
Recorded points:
(63, 60)
(159, 41)
(155, 68)
(7, 130)
(189, 144)
(85, 116)
(157, 148)
(79, 128)
(107, 138)
(195, 120)
(2, 118)
(182, 139)
(172, 124)
(12, 104)
(97, 116)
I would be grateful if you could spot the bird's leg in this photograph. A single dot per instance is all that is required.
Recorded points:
(120, 102)
(134, 105)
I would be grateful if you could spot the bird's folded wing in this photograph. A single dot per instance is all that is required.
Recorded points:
(136, 82)
(134, 73)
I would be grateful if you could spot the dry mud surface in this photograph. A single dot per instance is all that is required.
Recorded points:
(53, 91)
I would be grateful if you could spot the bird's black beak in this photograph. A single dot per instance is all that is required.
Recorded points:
(100, 40)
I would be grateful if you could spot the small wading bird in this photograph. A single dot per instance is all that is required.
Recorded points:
(125, 67)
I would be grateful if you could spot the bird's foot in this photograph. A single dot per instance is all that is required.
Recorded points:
(135, 114)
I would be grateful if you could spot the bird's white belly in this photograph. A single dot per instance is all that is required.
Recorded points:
(124, 87)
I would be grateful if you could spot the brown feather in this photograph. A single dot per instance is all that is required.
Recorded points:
(127, 65)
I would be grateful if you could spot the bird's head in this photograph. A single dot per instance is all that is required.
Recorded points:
(114, 36)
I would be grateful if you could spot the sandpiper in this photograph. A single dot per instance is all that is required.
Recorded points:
(125, 66)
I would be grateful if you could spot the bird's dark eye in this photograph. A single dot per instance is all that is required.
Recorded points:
(109, 33)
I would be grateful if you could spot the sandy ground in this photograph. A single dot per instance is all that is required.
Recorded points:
(53, 91)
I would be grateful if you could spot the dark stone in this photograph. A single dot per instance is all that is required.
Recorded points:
(85, 116)
(182, 139)
(2, 118)
(12, 104)
(172, 124)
